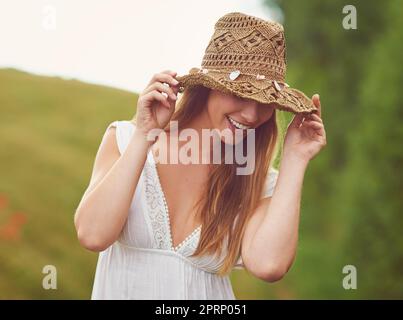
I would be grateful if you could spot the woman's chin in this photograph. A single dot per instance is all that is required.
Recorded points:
(232, 137)
(229, 134)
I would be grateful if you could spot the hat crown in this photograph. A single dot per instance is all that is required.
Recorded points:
(248, 44)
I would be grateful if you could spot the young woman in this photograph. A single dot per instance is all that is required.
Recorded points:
(175, 230)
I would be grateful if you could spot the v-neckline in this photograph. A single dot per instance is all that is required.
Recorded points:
(166, 210)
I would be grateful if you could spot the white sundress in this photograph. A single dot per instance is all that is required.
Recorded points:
(142, 264)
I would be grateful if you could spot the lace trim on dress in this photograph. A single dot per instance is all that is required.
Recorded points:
(156, 209)
(159, 214)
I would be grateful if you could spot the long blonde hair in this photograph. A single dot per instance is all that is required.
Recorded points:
(227, 194)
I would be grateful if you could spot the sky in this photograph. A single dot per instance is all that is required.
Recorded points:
(117, 43)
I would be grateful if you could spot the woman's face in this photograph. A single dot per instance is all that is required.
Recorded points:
(228, 111)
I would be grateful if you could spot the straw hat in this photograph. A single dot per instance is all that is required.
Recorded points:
(246, 56)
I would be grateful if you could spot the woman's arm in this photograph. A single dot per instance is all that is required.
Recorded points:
(271, 237)
(104, 207)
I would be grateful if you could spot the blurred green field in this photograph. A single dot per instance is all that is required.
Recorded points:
(50, 130)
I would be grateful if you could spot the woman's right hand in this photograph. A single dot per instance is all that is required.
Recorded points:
(154, 110)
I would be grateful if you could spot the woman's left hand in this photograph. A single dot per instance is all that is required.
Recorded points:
(306, 134)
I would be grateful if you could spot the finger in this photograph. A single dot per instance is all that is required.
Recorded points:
(297, 120)
(175, 89)
(162, 88)
(171, 72)
(164, 77)
(314, 120)
(158, 96)
(316, 102)
(315, 117)
(318, 127)
(313, 124)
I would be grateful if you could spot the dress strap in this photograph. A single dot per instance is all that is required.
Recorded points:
(270, 183)
(124, 131)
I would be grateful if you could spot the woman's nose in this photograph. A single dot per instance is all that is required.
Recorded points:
(249, 113)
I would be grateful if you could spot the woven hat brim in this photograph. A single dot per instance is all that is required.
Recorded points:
(262, 91)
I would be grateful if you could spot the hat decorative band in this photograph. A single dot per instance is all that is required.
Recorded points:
(246, 56)
(234, 74)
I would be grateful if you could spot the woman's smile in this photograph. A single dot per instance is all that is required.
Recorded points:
(237, 124)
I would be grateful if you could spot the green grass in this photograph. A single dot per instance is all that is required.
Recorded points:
(50, 130)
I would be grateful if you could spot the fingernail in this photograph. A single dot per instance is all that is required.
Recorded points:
(173, 97)
(175, 81)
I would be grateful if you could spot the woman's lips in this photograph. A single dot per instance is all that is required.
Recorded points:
(233, 128)
(230, 125)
